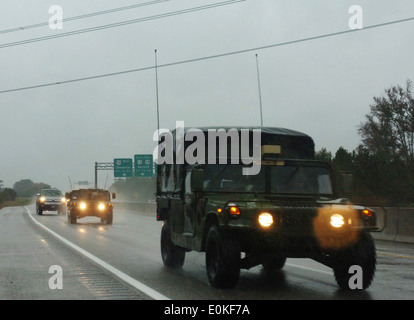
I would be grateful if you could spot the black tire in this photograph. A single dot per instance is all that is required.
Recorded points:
(222, 259)
(109, 218)
(173, 256)
(362, 254)
(71, 219)
(39, 211)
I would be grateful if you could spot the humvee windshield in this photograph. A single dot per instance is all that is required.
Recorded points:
(93, 195)
(277, 179)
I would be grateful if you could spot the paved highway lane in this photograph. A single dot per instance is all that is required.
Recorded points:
(131, 246)
(27, 254)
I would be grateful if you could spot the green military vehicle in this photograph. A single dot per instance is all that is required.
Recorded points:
(290, 209)
(89, 202)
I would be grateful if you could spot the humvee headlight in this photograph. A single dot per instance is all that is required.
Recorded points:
(265, 219)
(337, 220)
(82, 206)
(42, 199)
(63, 200)
(101, 206)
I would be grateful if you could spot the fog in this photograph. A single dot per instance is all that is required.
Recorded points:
(322, 87)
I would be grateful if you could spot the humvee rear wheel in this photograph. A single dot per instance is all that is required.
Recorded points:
(172, 255)
(222, 259)
(362, 255)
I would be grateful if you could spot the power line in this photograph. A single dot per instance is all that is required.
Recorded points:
(118, 24)
(84, 16)
(211, 56)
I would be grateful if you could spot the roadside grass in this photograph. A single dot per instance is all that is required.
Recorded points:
(19, 202)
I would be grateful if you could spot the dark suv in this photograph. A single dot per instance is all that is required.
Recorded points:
(50, 200)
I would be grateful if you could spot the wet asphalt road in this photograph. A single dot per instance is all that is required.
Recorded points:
(122, 261)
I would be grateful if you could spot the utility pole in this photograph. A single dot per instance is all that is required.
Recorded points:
(96, 175)
(156, 91)
(260, 91)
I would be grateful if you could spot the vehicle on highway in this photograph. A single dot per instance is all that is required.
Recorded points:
(50, 200)
(90, 202)
(290, 209)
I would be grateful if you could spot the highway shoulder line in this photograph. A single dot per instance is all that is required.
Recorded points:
(135, 283)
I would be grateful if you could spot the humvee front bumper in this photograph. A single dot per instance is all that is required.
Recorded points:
(297, 231)
(85, 209)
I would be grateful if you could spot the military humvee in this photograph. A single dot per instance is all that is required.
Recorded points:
(290, 209)
(89, 202)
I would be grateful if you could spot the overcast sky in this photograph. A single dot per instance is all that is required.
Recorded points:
(322, 87)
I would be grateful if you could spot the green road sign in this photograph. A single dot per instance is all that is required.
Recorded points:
(122, 168)
(143, 165)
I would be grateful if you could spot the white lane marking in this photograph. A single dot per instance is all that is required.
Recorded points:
(309, 269)
(135, 283)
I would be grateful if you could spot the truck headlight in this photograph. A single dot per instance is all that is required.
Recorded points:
(82, 206)
(337, 220)
(101, 206)
(265, 219)
(42, 199)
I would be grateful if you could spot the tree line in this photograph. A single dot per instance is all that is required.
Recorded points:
(7, 194)
(383, 163)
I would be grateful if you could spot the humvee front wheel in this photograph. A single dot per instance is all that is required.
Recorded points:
(71, 219)
(362, 255)
(108, 219)
(172, 255)
(222, 259)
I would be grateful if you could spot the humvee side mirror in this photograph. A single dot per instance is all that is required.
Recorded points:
(197, 179)
(113, 195)
(37, 194)
(347, 183)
